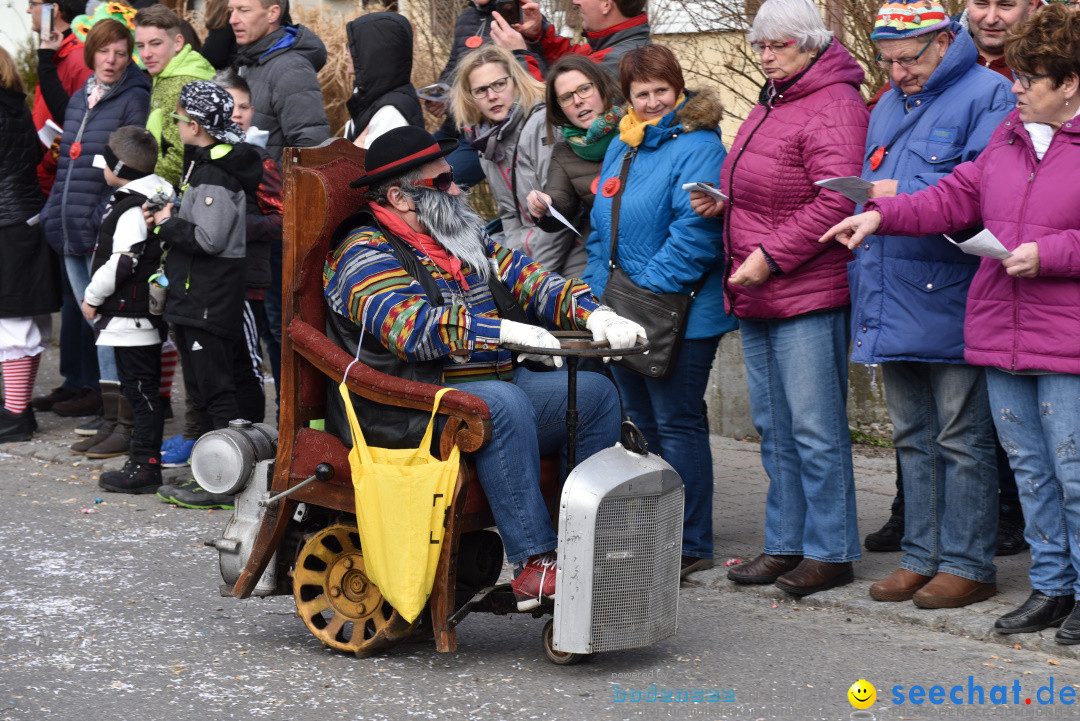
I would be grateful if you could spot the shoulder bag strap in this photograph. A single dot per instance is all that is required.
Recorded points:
(616, 202)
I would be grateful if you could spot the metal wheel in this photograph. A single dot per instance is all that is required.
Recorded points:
(337, 601)
(558, 657)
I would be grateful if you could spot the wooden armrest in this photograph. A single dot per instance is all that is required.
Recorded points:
(469, 422)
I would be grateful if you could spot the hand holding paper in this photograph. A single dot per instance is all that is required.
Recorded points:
(436, 92)
(556, 214)
(709, 190)
(850, 187)
(982, 244)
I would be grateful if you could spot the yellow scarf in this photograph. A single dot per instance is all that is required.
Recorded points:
(632, 127)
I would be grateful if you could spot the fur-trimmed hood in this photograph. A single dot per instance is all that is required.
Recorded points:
(701, 111)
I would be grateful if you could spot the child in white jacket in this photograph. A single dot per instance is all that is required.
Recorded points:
(122, 299)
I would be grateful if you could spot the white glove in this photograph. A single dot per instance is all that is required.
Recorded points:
(619, 332)
(533, 335)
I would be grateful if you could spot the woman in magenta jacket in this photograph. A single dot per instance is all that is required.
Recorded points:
(1023, 312)
(790, 293)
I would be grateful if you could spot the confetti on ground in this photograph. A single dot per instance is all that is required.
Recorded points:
(89, 510)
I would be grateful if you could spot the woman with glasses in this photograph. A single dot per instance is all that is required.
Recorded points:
(583, 109)
(669, 137)
(116, 94)
(1023, 311)
(791, 294)
(500, 110)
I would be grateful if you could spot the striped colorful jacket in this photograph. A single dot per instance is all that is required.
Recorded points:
(365, 282)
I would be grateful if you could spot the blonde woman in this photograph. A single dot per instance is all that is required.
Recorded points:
(500, 110)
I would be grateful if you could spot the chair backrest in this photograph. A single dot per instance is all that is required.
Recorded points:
(317, 199)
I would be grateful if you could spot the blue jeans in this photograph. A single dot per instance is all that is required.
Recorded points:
(669, 412)
(78, 270)
(78, 352)
(796, 369)
(528, 420)
(1037, 419)
(945, 443)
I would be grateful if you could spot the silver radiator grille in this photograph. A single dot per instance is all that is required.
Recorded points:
(635, 584)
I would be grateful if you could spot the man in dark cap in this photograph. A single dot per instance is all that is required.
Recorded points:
(419, 290)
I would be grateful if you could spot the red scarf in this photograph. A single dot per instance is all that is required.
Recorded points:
(422, 242)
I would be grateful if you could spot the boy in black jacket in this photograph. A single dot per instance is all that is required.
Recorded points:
(205, 246)
(117, 299)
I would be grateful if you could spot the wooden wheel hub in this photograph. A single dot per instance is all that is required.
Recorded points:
(337, 601)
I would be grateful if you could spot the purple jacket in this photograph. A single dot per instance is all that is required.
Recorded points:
(1011, 323)
(813, 129)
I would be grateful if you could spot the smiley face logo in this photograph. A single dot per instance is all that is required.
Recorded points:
(862, 694)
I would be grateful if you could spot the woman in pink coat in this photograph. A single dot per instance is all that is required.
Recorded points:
(1023, 312)
(791, 294)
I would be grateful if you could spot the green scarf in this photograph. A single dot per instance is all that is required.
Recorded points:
(591, 144)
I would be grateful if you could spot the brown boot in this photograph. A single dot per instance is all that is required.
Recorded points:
(110, 398)
(86, 403)
(763, 569)
(900, 585)
(948, 591)
(119, 441)
(812, 576)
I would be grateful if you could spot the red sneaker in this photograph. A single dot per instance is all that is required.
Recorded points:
(535, 582)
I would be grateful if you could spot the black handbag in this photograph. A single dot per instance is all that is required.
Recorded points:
(662, 315)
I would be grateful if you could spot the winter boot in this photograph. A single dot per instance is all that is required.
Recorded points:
(142, 476)
(119, 441)
(17, 426)
(110, 399)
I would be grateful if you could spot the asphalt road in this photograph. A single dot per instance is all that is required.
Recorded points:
(116, 615)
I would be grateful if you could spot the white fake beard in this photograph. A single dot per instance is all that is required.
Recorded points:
(454, 225)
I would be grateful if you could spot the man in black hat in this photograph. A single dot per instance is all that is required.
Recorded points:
(419, 290)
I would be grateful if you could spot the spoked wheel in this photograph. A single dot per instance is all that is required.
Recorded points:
(337, 601)
(559, 657)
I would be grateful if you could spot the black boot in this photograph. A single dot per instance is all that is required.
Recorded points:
(17, 426)
(137, 476)
(1038, 612)
(888, 537)
(1010, 532)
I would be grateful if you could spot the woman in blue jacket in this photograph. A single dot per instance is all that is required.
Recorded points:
(671, 137)
(115, 95)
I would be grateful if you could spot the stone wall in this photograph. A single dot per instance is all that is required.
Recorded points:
(729, 400)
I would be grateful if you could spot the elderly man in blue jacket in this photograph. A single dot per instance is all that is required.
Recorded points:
(908, 297)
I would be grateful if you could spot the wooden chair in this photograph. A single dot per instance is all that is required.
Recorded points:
(317, 199)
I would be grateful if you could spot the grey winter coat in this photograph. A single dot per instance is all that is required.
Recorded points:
(281, 69)
(526, 155)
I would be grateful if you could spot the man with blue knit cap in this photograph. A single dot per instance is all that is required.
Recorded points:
(908, 297)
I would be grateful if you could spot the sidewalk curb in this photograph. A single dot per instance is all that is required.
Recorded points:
(975, 621)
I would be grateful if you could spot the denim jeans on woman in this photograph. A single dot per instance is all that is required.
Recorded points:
(1037, 419)
(78, 270)
(945, 442)
(670, 414)
(528, 420)
(797, 372)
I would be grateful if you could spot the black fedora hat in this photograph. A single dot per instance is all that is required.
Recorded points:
(400, 150)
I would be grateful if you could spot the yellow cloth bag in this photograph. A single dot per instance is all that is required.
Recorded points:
(401, 501)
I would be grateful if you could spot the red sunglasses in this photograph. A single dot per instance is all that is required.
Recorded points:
(440, 182)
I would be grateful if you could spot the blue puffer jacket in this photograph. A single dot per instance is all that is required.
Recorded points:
(72, 215)
(663, 245)
(908, 294)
